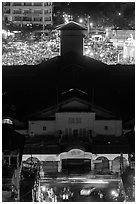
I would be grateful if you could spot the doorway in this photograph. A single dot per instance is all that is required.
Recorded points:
(76, 166)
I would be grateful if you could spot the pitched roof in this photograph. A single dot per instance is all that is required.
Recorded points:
(71, 26)
(75, 104)
(31, 88)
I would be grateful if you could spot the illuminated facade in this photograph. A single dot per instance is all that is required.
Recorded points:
(75, 128)
(27, 13)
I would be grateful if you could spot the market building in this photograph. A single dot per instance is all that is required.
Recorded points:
(74, 107)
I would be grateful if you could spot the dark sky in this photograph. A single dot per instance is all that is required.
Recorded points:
(98, 10)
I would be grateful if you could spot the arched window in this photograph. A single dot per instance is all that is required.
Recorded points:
(118, 163)
(102, 165)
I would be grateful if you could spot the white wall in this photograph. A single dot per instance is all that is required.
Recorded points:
(36, 127)
(74, 120)
(108, 127)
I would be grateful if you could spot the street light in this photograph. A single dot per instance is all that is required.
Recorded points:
(91, 24)
(81, 20)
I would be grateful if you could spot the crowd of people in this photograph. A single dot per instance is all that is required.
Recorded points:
(29, 52)
(32, 52)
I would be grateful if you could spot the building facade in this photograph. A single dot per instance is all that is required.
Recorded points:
(75, 128)
(28, 13)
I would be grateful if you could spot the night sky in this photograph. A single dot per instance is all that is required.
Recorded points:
(103, 13)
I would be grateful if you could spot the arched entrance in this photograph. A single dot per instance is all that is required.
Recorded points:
(119, 163)
(76, 161)
(33, 160)
(102, 164)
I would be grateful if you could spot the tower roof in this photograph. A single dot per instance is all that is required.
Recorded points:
(71, 26)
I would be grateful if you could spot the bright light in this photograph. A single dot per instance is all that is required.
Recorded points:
(91, 24)
(81, 20)
(119, 14)
(114, 193)
(43, 188)
(87, 51)
(96, 181)
(101, 55)
(106, 29)
(7, 121)
(91, 54)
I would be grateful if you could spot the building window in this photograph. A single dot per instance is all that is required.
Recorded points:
(17, 18)
(70, 131)
(75, 132)
(6, 3)
(27, 11)
(39, 19)
(7, 11)
(48, 18)
(37, 11)
(16, 11)
(105, 127)
(78, 120)
(74, 120)
(84, 131)
(48, 4)
(27, 18)
(7, 121)
(44, 128)
(47, 11)
(17, 4)
(27, 4)
(37, 4)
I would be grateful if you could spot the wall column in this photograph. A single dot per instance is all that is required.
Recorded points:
(60, 165)
(110, 165)
(92, 165)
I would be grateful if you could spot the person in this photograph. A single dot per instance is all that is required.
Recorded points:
(66, 194)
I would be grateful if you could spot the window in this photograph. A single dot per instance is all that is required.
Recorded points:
(27, 11)
(78, 120)
(75, 132)
(17, 18)
(27, 4)
(48, 18)
(71, 120)
(84, 131)
(38, 19)
(7, 121)
(17, 4)
(70, 131)
(16, 11)
(105, 127)
(44, 128)
(37, 11)
(74, 120)
(6, 3)
(37, 4)
(7, 11)
(47, 11)
(48, 4)
(27, 19)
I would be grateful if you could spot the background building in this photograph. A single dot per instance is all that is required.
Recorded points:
(28, 13)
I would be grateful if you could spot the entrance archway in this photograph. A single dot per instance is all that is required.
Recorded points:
(119, 162)
(33, 160)
(76, 165)
(76, 161)
(102, 164)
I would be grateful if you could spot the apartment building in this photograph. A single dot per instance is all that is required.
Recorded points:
(28, 13)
